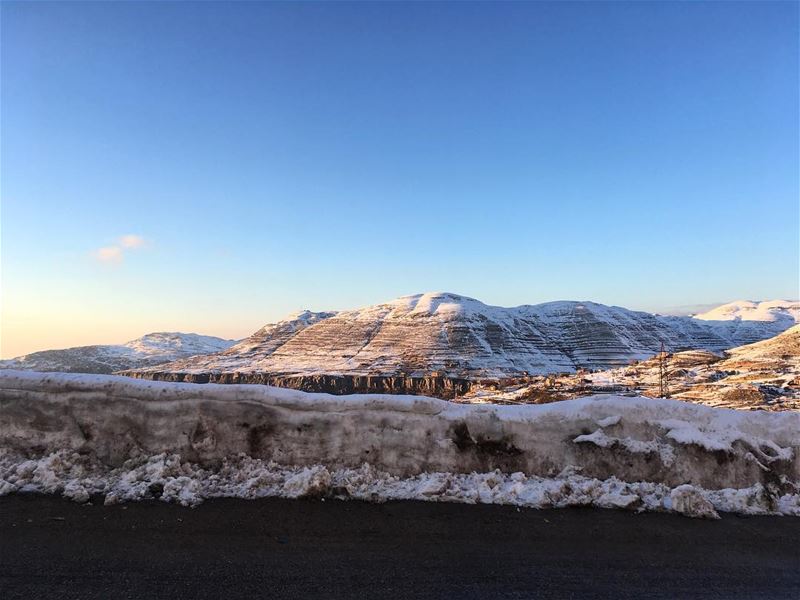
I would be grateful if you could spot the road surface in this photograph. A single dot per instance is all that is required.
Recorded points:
(332, 549)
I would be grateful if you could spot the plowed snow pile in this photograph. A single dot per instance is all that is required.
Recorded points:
(80, 435)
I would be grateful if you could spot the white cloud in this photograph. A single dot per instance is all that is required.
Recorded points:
(114, 255)
(131, 241)
(109, 255)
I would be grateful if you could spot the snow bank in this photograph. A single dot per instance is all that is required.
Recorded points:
(128, 439)
(167, 478)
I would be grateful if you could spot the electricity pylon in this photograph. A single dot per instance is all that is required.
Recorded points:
(663, 387)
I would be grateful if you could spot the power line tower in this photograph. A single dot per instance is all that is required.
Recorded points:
(663, 374)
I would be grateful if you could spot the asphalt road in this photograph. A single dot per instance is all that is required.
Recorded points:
(310, 549)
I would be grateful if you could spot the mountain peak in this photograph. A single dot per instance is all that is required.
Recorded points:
(306, 316)
(168, 342)
(436, 303)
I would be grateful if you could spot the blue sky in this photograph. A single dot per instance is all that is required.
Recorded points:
(329, 155)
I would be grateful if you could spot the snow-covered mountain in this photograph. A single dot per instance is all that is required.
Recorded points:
(148, 350)
(747, 310)
(744, 322)
(446, 333)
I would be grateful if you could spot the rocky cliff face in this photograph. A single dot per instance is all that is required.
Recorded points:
(437, 386)
(408, 345)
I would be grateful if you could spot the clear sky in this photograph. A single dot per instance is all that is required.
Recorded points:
(266, 157)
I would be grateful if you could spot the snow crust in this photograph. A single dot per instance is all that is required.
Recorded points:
(80, 435)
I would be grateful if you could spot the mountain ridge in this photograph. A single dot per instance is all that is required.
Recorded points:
(444, 332)
(440, 333)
